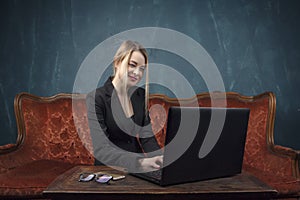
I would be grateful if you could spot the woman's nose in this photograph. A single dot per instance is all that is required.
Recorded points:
(136, 71)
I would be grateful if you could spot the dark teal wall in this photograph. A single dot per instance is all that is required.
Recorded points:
(255, 44)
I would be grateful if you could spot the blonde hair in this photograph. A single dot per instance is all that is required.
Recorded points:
(124, 52)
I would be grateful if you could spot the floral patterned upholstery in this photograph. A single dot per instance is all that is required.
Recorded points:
(53, 136)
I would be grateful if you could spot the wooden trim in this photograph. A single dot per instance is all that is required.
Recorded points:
(296, 168)
(216, 95)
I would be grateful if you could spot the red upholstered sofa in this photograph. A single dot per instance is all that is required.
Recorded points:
(53, 137)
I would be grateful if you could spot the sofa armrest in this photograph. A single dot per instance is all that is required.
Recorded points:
(8, 158)
(15, 155)
(7, 148)
(294, 155)
(278, 149)
(3, 149)
(9, 152)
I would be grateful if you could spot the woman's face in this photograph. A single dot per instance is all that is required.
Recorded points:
(136, 68)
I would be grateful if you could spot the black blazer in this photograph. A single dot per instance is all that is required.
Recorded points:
(114, 135)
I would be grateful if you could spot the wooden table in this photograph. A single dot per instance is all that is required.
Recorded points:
(242, 186)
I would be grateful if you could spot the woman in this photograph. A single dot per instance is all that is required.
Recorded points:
(118, 118)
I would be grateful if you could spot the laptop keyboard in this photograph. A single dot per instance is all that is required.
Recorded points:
(154, 174)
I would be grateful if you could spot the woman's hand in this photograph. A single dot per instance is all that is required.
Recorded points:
(150, 164)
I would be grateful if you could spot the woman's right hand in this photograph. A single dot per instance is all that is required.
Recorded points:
(150, 164)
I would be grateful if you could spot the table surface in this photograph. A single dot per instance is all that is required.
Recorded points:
(241, 186)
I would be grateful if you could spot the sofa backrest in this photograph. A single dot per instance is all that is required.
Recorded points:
(46, 128)
(57, 128)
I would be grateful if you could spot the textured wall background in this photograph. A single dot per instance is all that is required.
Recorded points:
(255, 44)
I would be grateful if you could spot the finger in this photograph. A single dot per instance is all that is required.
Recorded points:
(156, 166)
(159, 160)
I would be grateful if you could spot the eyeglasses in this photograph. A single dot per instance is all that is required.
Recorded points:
(100, 178)
(103, 178)
(85, 177)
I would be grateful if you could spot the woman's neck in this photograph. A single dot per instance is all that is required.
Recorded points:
(123, 97)
(119, 85)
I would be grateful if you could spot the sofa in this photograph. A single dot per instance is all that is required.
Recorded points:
(53, 136)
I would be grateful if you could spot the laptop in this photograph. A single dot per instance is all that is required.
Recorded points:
(201, 143)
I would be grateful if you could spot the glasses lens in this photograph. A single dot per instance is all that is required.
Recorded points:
(103, 179)
(86, 177)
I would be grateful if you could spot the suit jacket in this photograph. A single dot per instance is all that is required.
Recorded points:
(114, 135)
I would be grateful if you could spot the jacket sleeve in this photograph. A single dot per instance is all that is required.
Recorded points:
(105, 151)
(148, 140)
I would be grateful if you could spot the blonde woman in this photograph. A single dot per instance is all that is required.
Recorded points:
(117, 114)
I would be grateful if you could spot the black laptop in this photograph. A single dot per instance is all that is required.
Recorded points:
(201, 144)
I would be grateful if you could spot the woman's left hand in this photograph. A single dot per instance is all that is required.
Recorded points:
(153, 163)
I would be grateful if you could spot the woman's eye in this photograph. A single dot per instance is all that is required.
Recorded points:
(141, 68)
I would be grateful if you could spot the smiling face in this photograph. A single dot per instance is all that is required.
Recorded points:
(136, 66)
(130, 65)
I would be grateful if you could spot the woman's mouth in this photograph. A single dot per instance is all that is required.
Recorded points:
(133, 78)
